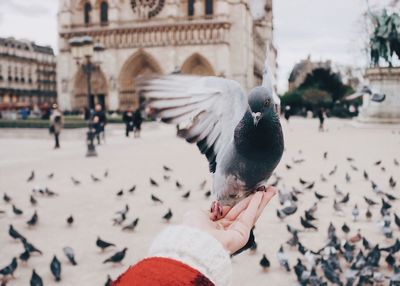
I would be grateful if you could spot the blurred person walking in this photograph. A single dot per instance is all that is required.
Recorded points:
(56, 124)
(137, 123)
(321, 117)
(127, 117)
(287, 112)
(99, 122)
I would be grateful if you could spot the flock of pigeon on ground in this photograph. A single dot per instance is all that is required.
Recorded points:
(355, 260)
(55, 266)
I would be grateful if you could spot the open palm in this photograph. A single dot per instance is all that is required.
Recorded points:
(232, 230)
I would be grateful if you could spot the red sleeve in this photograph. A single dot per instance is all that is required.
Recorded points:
(157, 271)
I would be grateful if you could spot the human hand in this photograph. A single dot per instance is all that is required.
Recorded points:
(232, 230)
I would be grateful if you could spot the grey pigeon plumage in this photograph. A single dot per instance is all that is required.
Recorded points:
(36, 280)
(10, 268)
(70, 254)
(240, 135)
(55, 267)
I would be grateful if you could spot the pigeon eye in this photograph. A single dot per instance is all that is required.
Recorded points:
(267, 102)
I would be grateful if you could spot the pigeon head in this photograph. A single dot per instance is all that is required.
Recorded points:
(261, 103)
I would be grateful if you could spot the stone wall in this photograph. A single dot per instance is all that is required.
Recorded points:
(228, 43)
(387, 81)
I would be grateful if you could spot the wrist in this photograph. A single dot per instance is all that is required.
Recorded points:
(197, 249)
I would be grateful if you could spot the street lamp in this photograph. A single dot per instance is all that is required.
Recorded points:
(88, 57)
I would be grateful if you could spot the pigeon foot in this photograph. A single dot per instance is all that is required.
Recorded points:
(216, 210)
(261, 189)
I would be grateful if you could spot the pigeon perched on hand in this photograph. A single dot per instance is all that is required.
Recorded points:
(240, 135)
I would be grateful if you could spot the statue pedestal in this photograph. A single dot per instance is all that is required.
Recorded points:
(387, 81)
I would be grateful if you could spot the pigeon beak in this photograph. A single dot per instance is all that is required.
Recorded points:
(256, 117)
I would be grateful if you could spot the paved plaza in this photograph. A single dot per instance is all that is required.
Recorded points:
(132, 162)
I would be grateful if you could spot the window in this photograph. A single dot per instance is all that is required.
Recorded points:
(29, 75)
(104, 12)
(190, 8)
(209, 7)
(10, 73)
(87, 10)
(16, 78)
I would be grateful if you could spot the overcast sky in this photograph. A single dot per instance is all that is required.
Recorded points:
(324, 29)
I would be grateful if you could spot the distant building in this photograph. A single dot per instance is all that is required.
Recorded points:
(202, 37)
(27, 74)
(304, 68)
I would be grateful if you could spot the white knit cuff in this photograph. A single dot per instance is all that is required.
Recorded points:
(196, 249)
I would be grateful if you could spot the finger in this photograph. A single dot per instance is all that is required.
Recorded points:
(225, 210)
(267, 196)
(248, 216)
(238, 208)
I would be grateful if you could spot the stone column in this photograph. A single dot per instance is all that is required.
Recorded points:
(387, 81)
(199, 7)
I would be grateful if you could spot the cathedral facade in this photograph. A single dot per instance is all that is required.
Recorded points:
(143, 37)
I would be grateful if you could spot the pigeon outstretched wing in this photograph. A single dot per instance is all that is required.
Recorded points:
(208, 107)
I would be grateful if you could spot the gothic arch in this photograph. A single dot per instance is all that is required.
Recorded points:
(208, 7)
(79, 4)
(198, 65)
(97, 3)
(104, 7)
(140, 63)
(187, 8)
(99, 89)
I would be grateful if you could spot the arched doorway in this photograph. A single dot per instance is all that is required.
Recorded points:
(99, 89)
(198, 65)
(139, 64)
